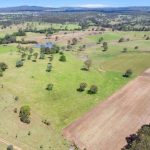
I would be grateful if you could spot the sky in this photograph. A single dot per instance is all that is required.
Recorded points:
(75, 3)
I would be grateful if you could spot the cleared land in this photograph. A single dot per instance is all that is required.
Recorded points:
(64, 104)
(106, 126)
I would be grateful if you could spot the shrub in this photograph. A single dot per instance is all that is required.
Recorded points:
(121, 40)
(124, 50)
(74, 41)
(82, 87)
(61, 53)
(62, 58)
(105, 46)
(23, 56)
(41, 146)
(100, 40)
(49, 87)
(19, 63)
(16, 98)
(51, 57)
(15, 110)
(87, 65)
(10, 147)
(29, 57)
(42, 56)
(128, 73)
(29, 133)
(46, 122)
(147, 38)
(49, 67)
(3, 66)
(93, 89)
(25, 114)
(136, 47)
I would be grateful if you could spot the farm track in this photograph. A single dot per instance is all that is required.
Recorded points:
(8, 143)
(107, 125)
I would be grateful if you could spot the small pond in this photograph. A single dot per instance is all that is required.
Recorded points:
(48, 44)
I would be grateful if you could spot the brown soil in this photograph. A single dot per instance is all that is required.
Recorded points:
(106, 126)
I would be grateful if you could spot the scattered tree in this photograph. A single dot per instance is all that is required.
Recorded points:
(93, 89)
(128, 73)
(62, 58)
(19, 63)
(10, 147)
(49, 67)
(25, 114)
(82, 87)
(49, 87)
(87, 64)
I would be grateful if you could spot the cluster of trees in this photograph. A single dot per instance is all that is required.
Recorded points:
(8, 39)
(3, 67)
(46, 50)
(44, 31)
(20, 33)
(11, 38)
(140, 140)
(93, 89)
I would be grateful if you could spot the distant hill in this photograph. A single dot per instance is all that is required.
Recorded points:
(73, 9)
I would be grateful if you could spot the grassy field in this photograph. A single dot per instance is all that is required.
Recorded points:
(39, 26)
(64, 104)
(3, 146)
(114, 59)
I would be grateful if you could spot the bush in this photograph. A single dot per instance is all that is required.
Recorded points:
(29, 57)
(87, 65)
(10, 147)
(136, 47)
(15, 110)
(82, 87)
(128, 73)
(100, 40)
(49, 67)
(16, 98)
(42, 56)
(93, 89)
(29, 133)
(121, 40)
(3, 66)
(19, 63)
(49, 87)
(62, 58)
(46, 122)
(25, 114)
(124, 50)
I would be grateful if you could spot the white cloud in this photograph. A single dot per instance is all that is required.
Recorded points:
(93, 5)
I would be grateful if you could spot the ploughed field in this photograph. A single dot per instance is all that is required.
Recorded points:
(106, 126)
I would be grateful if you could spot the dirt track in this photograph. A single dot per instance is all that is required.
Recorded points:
(106, 126)
(7, 143)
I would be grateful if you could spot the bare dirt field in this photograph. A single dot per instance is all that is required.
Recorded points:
(106, 126)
